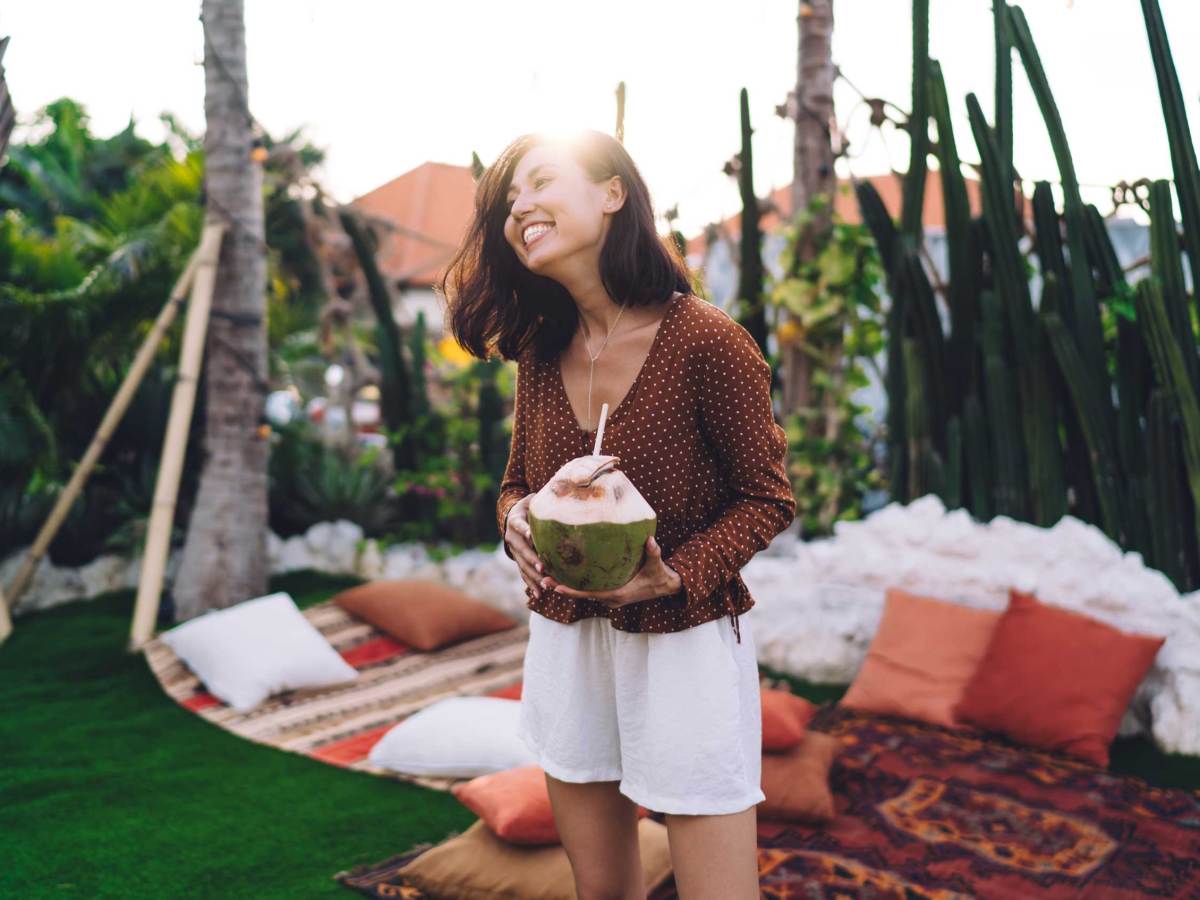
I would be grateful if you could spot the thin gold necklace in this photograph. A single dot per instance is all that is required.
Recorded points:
(592, 359)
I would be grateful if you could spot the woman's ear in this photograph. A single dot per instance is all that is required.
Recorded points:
(614, 195)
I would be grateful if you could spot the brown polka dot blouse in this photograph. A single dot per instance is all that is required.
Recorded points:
(696, 435)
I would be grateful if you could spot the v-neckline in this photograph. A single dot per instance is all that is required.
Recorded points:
(612, 413)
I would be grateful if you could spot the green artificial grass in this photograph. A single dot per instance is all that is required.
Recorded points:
(110, 789)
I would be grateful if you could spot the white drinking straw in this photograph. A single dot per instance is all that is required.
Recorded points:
(600, 430)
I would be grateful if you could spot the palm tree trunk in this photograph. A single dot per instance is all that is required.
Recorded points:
(225, 553)
(812, 166)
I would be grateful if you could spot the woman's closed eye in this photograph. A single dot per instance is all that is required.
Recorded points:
(537, 183)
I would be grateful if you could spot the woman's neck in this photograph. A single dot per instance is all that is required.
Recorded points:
(600, 313)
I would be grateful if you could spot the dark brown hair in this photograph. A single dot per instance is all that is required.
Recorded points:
(495, 302)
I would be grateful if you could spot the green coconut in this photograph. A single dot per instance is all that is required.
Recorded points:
(589, 524)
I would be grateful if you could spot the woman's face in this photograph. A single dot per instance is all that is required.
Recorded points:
(551, 190)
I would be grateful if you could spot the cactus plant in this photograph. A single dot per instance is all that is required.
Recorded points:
(1183, 152)
(1088, 404)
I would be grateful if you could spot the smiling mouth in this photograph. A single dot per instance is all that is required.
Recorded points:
(537, 237)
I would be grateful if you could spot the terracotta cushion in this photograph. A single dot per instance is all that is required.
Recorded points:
(921, 658)
(1056, 679)
(796, 783)
(784, 719)
(514, 804)
(422, 614)
(512, 692)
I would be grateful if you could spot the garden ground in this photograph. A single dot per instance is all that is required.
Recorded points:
(110, 789)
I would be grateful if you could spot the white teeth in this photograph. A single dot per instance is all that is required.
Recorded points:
(534, 230)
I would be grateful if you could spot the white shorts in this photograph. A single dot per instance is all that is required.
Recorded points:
(676, 717)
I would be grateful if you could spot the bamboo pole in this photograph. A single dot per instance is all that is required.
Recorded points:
(112, 417)
(5, 621)
(166, 488)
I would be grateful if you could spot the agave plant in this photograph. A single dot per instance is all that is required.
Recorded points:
(311, 482)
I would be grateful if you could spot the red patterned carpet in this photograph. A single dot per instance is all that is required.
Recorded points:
(926, 812)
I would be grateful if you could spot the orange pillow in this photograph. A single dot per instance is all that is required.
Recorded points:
(921, 658)
(1057, 679)
(423, 614)
(515, 804)
(796, 783)
(784, 719)
(512, 692)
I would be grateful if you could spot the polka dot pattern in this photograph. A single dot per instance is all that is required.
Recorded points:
(697, 436)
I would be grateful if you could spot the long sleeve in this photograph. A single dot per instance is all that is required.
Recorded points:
(737, 421)
(513, 485)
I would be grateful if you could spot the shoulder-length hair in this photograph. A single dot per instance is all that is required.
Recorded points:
(495, 302)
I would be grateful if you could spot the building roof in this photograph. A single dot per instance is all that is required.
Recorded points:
(430, 207)
(891, 190)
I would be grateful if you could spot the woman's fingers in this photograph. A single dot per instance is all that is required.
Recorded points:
(523, 546)
(518, 539)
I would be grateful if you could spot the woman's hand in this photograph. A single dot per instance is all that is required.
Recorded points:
(517, 536)
(654, 579)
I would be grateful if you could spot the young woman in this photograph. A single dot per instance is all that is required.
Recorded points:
(647, 695)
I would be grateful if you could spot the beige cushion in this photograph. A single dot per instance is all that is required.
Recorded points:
(477, 865)
(421, 613)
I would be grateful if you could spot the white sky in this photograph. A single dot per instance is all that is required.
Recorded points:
(385, 87)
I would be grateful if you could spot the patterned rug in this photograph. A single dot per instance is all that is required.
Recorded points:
(927, 812)
(339, 725)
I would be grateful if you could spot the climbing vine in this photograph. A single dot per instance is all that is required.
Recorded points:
(835, 460)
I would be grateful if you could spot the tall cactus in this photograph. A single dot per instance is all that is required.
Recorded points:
(1086, 314)
(1003, 84)
(1043, 452)
(1167, 266)
(918, 126)
(1183, 152)
(1093, 411)
(883, 229)
(1049, 248)
(962, 253)
(1134, 377)
(1003, 409)
(395, 387)
(752, 315)
(1028, 418)
(1171, 372)
(419, 400)
(1164, 501)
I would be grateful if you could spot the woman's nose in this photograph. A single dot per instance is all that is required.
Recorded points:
(521, 208)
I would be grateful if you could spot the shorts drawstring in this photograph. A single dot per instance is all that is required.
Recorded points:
(733, 619)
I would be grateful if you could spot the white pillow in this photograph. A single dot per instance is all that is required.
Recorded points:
(459, 737)
(246, 653)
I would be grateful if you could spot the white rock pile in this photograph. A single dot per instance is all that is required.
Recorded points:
(819, 602)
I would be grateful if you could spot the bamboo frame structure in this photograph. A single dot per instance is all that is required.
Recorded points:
(112, 417)
(166, 488)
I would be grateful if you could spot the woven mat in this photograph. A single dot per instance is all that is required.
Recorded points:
(339, 725)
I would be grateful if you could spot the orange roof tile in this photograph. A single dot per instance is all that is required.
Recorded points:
(430, 207)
